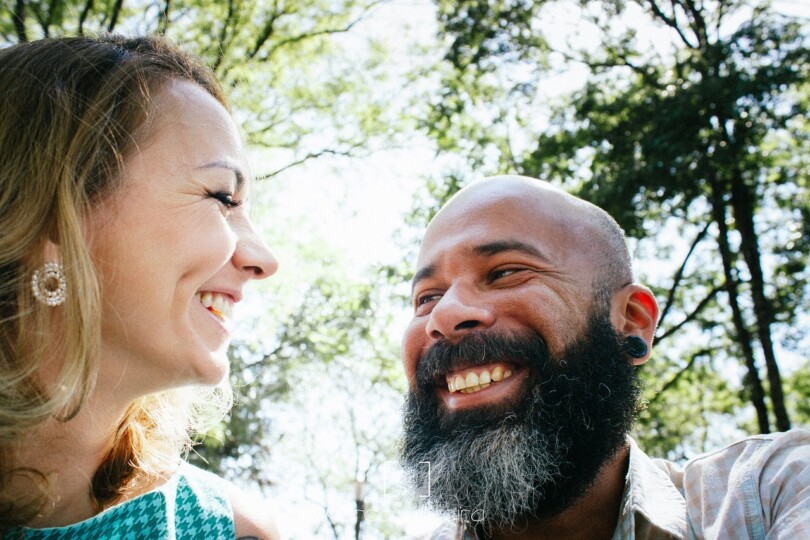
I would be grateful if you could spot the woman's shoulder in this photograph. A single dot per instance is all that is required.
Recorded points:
(252, 517)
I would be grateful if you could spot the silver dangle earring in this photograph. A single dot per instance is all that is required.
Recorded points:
(49, 284)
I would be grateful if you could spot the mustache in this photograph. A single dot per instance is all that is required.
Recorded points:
(479, 348)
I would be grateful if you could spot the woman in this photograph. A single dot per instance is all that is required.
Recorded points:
(124, 247)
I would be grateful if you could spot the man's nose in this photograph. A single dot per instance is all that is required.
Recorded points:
(457, 313)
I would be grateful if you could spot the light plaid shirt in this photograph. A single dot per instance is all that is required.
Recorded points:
(756, 488)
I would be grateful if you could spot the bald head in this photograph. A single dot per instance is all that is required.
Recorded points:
(581, 230)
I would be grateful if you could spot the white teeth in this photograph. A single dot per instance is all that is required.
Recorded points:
(475, 382)
(219, 304)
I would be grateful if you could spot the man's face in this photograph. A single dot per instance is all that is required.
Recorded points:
(492, 262)
(519, 391)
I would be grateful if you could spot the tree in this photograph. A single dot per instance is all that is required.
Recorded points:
(295, 89)
(700, 135)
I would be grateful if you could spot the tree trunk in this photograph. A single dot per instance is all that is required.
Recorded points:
(743, 335)
(360, 508)
(88, 7)
(742, 203)
(19, 21)
(116, 11)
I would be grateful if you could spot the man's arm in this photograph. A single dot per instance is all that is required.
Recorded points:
(760, 485)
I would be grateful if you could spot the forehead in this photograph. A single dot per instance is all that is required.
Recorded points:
(184, 111)
(190, 129)
(552, 223)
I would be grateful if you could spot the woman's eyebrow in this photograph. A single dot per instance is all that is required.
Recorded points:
(235, 169)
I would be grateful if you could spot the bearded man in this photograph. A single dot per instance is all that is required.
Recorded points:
(521, 359)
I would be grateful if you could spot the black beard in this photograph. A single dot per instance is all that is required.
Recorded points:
(505, 465)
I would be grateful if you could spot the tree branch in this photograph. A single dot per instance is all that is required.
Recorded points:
(699, 26)
(267, 31)
(88, 6)
(722, 9)
(325, 487)
(703, 303)
(670, 21)
(311, 155)
(308, 35)
(163, 17)
(222, 42)
(115, 13)
(46, 25)
(678, 375)
(679, 274)
(19, 20)
(655, 82)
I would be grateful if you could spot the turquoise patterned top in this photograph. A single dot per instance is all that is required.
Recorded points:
(191, 505)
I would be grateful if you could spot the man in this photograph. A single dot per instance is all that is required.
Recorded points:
(521, 360)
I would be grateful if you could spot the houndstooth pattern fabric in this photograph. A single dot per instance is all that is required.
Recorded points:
(190, 506)
(756, 488)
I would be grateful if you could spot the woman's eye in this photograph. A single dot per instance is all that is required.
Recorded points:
(227, 199)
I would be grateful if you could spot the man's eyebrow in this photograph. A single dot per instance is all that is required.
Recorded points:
(494, 248)
(235, 169)
(486, 250)
(422, 273)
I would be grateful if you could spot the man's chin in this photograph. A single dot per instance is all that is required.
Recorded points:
(502, 412)
(475, 418)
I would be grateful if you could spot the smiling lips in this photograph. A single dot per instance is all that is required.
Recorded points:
(221, 305)
(475, 379)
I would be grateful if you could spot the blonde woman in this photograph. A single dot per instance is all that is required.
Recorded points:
(125, 245)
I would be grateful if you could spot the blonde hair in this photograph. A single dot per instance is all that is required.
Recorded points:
(72, 110)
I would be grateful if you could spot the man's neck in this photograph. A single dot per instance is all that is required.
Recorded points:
(593, 516)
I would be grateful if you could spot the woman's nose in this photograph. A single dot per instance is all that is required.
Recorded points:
(252, 254)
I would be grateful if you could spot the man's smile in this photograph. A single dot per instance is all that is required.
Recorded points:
(487, 384)
(477, 378)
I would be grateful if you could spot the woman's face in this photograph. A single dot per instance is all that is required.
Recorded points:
(174, 249)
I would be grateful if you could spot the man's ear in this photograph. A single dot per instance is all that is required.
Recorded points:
(634, 312)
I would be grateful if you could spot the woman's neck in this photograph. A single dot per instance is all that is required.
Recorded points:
(68, 453)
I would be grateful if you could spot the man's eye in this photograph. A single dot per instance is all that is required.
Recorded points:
(497, 274)
(425, 299)
(227, 199)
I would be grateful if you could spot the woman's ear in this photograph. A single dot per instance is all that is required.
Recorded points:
(52, 253)
(634, 312)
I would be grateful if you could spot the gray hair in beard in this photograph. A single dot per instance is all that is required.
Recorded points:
(504, 467)
(492, 476)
